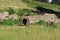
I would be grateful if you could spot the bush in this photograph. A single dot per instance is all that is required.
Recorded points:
(10, 22)
(20, 12)
(27, 12)
(16, 21)
(41, 22)
(10, 10)
(24, 12)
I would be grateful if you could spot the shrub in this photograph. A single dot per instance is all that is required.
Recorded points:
(20, 12)
(41, 22)
(27, 12)
(16, 21)
(1, 10)
(8, 22)
(24, 12)
(10, 10)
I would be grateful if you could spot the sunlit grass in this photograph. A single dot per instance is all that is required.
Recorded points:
(33, 32)
(12, 3)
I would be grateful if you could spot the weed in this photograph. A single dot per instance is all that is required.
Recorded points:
(10, 10)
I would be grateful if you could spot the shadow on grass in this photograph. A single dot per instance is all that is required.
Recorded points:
(42, 10)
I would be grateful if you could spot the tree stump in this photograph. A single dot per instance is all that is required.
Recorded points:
(50, 24)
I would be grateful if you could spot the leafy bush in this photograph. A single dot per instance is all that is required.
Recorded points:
(25, 12)
(8, 22)
(20, 12)
(10, 10)
(41, 22)
(16, 21)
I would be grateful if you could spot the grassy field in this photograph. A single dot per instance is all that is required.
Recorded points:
(27, 4)
(42, 4)
(12, 3)
(33, 32)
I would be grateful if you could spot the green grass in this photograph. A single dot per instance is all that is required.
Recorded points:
(42, 4)
(33, 32)
(27, 4)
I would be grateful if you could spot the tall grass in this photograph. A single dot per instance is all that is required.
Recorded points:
(42, 22)
(33, 32)
(24, 12)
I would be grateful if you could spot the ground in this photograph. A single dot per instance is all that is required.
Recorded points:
(33, 32)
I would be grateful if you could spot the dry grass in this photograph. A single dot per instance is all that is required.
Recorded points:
(12, 3)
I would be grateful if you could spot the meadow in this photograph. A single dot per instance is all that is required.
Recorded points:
(32, 32)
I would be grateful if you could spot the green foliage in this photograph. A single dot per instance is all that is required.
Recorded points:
(41, 22)
(10, 10)
(27, 12)
(16, 21)
(24, 12)
(8, 22)
(20, 12)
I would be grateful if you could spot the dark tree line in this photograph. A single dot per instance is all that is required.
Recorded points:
(56, 1)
